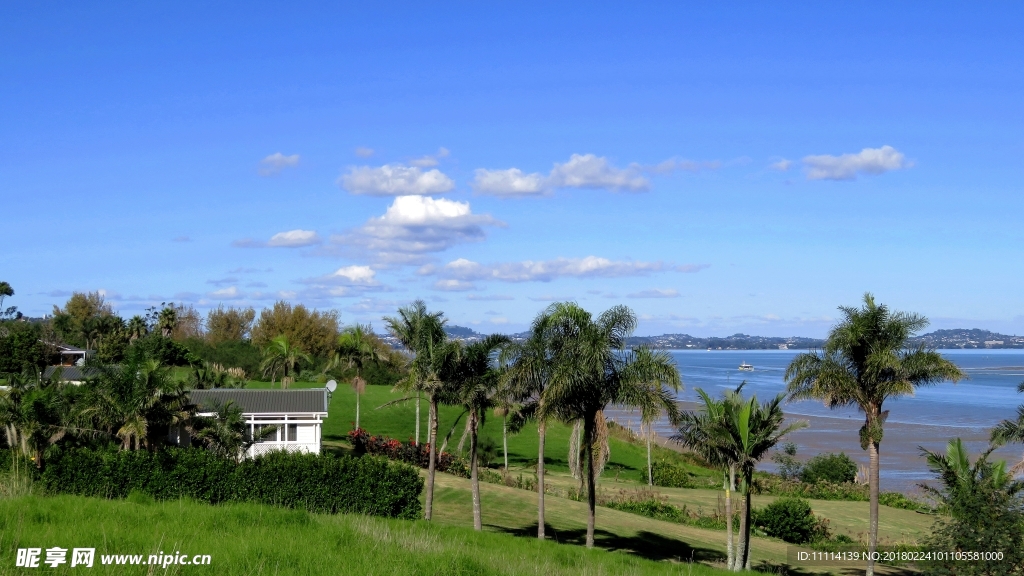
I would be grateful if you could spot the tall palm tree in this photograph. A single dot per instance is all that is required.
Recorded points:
(592, 369)
(475, 385)
(867, 359)
(528, 367)
(356, 349)
(407, 327)
(700, 431)
(282, 355)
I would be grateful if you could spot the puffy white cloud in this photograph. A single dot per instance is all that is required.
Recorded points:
(848, 166)
(230, 293)
(395, 180)
(655, 293)
(276, 162)
(590, 171)
(511, 182)
(416, 225)
(546, 271)
(356, 275)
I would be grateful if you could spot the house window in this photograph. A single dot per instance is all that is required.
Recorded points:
(292, 432)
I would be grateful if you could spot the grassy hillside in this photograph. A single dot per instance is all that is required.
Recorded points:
(251, 539)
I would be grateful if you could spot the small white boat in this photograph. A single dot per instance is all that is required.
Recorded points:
(746, 367)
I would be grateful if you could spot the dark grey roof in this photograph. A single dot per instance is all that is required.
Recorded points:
(71, 373)
(306, 401)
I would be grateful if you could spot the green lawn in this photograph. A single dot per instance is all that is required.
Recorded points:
(247, 539)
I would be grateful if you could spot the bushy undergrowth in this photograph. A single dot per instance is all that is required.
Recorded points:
(324, 484)
(671, 475)
(408, 452)
(792, 520)
(647, 502)
(771, 485)
(835, 468)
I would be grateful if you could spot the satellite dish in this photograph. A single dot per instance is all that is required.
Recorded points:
(332, 386)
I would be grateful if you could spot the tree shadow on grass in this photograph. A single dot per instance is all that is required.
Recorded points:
(783, 569)
(644, 544)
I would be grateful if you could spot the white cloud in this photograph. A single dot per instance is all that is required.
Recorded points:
(848, 166)
(356, 275)
(545, 271)
(430, 160)
(416, 225)
(294, 239)
(580, 171)
(276, 162)
(782, 165)
(230, 293)
(364, 152)
(453, 285)
(655, 293)
(395, 180)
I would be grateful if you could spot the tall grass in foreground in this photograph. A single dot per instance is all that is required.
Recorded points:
(252, 539)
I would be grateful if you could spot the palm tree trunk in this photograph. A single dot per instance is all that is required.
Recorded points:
(873, 505)
(730, 552)
(588, 439)
(746, 522)
(357, 409)
(737, 562)
(431, 446)
(418, 395)
(650, 470)
(541, 430)
(477, 521)
(504, 440)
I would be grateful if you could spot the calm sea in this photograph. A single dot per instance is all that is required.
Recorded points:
(935, 414)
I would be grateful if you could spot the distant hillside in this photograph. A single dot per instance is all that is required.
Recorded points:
(942, 339)
(973, 338)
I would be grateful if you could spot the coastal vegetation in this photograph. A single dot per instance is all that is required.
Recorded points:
(565, 471)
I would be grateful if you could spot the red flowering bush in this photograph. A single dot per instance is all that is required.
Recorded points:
(407, 452)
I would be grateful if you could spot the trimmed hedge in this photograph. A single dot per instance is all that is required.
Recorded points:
(322, 484)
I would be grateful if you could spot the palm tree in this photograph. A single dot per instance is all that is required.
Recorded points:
(356, 349)
(866, 360)
(137, 328)
(167, 320)
(700, 431)
(407, 327)
(5, 291)
(1012, 431)
(592, 369)
(225, 433)
(528, 367)
(282, 354)
(475, 384)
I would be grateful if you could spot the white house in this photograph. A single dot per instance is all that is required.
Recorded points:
(297, 415)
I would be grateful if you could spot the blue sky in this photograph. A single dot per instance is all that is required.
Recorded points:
(718, 168)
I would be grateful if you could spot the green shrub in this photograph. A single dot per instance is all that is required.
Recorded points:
(670, 475)
(831, 467)
(898, 500)
(821, 490)
(324, 484)
(790, 519)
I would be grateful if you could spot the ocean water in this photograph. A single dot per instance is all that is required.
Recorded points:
(931, 417)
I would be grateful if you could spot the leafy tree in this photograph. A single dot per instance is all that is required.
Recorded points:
(789, 466)
(20, 348)
(592, 369)
(528, 367)
(867, 359)
(982, 512)
(282, 355)
(79, 321)
(229, 324)
(314, 331)
(831, 467)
